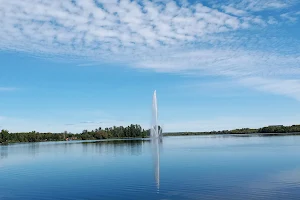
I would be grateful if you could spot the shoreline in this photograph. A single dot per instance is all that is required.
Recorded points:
(135, 131)
(229, 134)
(165, 135)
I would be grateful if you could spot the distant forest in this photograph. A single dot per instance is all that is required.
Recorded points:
(268, 129)
(132, 131)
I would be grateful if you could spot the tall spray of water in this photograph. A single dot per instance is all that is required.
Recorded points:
(155, 131)
(156, 137)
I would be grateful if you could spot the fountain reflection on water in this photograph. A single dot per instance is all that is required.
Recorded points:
(156, 147)
(156, 139)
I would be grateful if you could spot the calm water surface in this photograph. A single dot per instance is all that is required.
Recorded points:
(193, 167)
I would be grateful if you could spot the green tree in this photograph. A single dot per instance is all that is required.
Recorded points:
(4, 136)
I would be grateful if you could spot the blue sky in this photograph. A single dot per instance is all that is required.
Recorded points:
(74, 65)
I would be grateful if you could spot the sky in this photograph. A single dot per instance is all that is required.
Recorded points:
(70, 65)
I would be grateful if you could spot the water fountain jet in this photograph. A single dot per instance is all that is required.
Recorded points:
(156, 137)
(155, 131)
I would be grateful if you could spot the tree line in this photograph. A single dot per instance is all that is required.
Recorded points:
(132, 131)
(263, 130)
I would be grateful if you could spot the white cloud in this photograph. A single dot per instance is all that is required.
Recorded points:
(83, 24)
(85, 28)
(226, 62)
(292, 17)
(165, 36)
(272, 20)
(262, 71)
(289, 88)
(234, 11)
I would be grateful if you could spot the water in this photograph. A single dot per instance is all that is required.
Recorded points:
(193, 167)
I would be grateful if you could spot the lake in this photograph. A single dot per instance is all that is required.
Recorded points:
(185, 167)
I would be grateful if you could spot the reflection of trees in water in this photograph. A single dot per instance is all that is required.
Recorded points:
(3, 152)
(132, 147)
(33, 149)
(115, 147)
(67, 147)
(30, 148)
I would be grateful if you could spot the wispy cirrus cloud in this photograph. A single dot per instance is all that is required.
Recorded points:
(289, 87)
(227, 62)
(290, 16)
(234, 11)
(217, 38)
(257, 5)
(7, 89)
